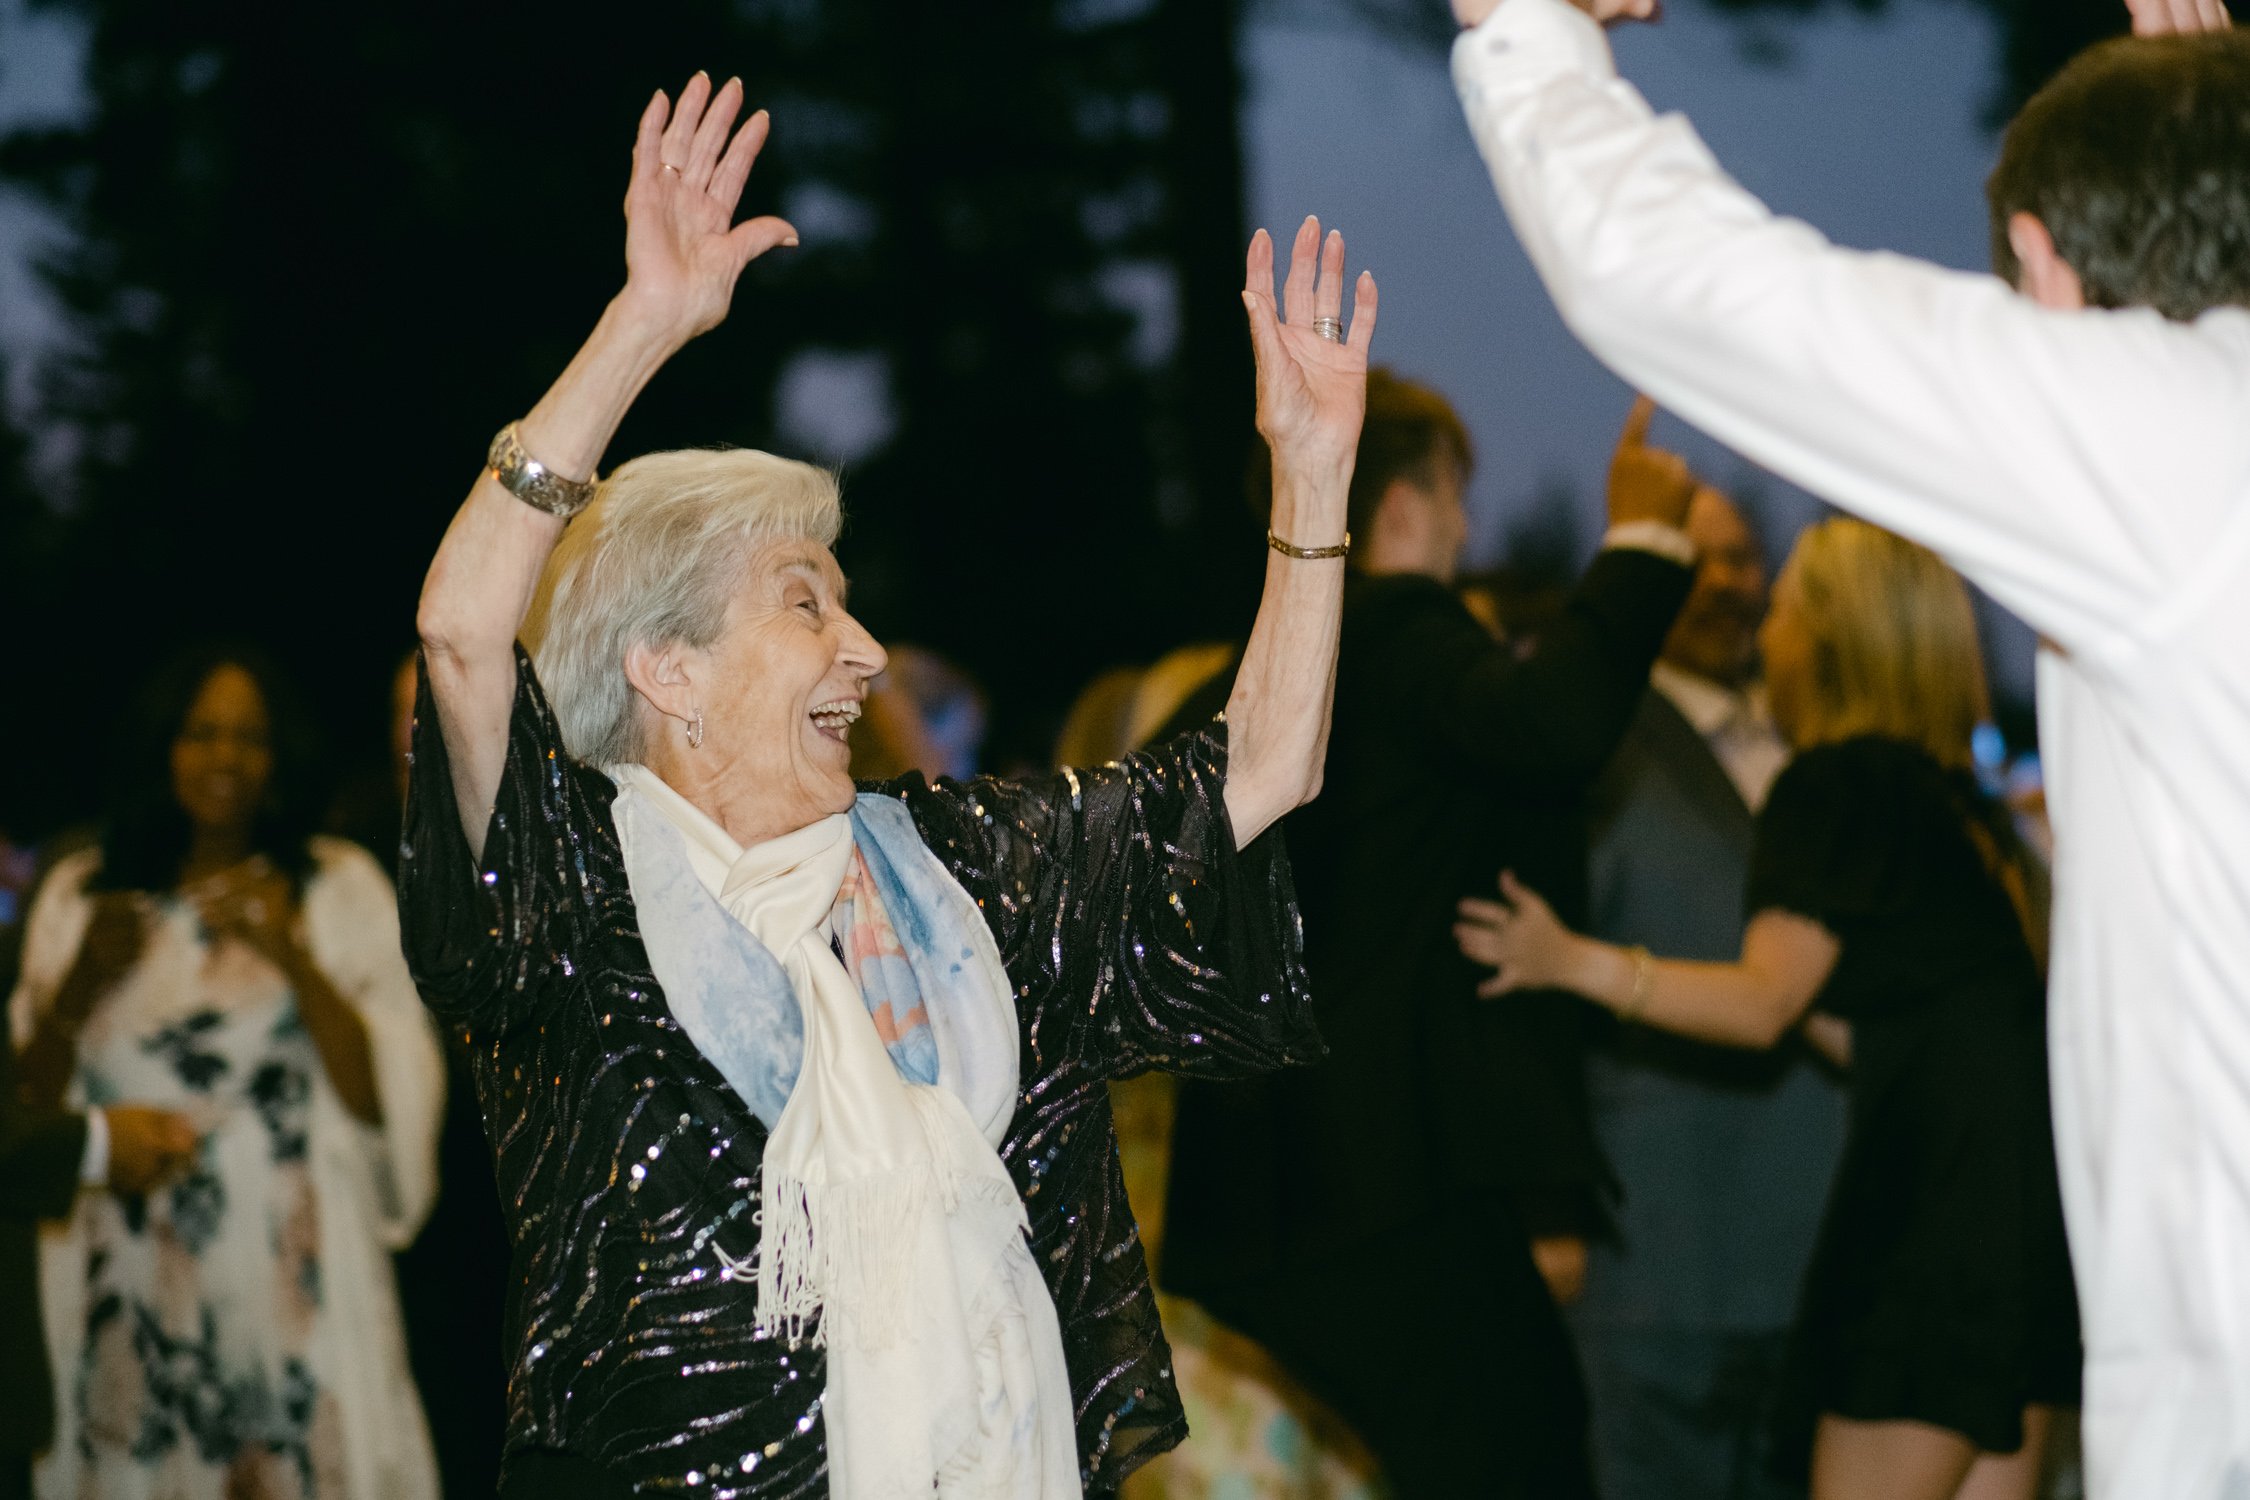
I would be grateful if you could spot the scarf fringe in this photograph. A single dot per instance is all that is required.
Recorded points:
(854, 1248)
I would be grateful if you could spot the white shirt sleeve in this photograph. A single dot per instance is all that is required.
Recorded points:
(2085, 468)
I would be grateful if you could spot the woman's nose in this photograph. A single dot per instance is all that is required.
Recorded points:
(864, 652)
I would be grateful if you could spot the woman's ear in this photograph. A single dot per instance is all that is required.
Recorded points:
(665, 678)
(2044, 276)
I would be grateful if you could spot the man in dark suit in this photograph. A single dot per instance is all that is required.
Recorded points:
(45, 1158)
(1724, 1156)
(1368, 1220)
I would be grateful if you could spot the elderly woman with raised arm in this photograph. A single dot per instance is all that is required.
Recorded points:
(797, 1088)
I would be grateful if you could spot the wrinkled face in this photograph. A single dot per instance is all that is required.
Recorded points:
(782, 686)
(1787, 643)
(222, 758)
(1716, 635)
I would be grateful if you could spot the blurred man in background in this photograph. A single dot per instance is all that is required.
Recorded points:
(1723, 1156)
(1371, 1220)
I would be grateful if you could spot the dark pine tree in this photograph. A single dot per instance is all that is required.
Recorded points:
(319, 254)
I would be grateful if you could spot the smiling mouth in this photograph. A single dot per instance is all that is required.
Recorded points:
(836, 719)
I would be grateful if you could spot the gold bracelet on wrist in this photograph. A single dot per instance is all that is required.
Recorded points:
(1644, 983)
(1309, 554)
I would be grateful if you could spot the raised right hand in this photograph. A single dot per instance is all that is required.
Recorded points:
(1312, 392)
(147, 1147)
(683, 250)
(1473, 12)
(1645, 483)
(2165, 17)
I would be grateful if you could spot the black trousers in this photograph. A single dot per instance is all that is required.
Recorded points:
(1441, 1347)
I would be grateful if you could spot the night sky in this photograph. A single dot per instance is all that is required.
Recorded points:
(1870, 129)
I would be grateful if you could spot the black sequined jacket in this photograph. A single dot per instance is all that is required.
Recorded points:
(1137, 936)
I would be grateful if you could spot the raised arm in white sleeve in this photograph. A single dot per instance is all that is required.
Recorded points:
(2085, 468)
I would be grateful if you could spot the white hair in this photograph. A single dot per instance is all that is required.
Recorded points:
(654, 560)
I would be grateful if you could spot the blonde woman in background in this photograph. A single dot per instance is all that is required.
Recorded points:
(1937, 1326)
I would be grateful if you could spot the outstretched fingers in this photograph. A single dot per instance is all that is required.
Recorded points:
(1304, 268)
(1328, 297)
(711, 135)
(1482, 913)
(1363, 313)
(2166, 17)
(679, 135)
(733, 171)
(1257, 299)
(1637, 423)
(648, 140)
(754, 237)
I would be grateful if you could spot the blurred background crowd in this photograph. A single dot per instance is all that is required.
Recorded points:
(237, 240)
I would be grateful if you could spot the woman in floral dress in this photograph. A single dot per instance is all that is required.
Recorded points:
(235, 1332)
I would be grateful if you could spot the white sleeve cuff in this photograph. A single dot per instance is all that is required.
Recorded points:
(93, 1166)
(1667, 542)
(1542, 36)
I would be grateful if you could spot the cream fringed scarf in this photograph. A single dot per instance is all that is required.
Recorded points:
(891, 1232)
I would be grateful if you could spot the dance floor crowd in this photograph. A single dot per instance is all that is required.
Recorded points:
(1626, 1034)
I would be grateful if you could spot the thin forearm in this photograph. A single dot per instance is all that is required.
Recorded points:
(1726, 1003)
(338, 1036)
(481, 581)
(1278, 714)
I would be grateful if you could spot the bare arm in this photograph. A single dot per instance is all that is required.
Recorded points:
(683, 253)
(112, 944)
(1751, 1002)
(1312, 396)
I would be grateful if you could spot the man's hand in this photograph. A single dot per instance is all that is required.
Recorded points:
(1473, 12)
(2166, 17)
(1561, 1259)
(147, 1147)
(1647, 484)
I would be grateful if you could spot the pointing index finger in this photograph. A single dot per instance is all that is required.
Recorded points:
(1636, 423)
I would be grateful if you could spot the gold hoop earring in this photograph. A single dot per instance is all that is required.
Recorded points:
(695, 732)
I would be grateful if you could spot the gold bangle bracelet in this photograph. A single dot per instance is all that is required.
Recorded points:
(1309, 554)
(1644, 983)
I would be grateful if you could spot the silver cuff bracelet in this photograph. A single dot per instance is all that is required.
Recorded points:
(533, 482)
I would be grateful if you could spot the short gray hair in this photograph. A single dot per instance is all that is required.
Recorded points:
(654, 560)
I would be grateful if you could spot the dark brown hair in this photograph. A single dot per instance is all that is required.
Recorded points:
(2137, 159)
(1410, 431)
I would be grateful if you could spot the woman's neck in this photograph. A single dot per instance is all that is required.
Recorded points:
(731, 801)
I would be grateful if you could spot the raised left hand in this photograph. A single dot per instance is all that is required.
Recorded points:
(1647, 483)
(1520, 938)
(1312, 391)
(2165, 17)
(253, 904)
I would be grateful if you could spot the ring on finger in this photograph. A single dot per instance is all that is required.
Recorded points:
(668, 167)
(1331, 329)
